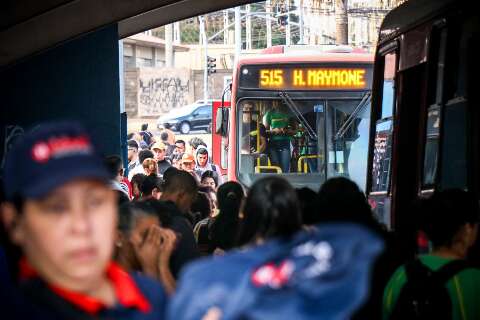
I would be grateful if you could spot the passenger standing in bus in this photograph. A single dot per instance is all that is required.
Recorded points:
(276, 121)
(254, 133)
(62, 213)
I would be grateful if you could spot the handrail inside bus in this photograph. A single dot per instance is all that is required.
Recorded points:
(302, 159)
(277, 169)
(293, 107)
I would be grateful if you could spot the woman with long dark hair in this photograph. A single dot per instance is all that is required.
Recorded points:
(224, 228)
(271, 210)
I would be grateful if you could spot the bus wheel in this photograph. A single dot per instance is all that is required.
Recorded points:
(184, 127)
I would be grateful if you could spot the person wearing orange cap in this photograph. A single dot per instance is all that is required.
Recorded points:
(159, 150)
(188, 164)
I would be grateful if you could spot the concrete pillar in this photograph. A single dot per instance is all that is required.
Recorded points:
(154, 57)
(134, 55)
(169, 45)
(225, 29)
(268, 21)
(248, 26)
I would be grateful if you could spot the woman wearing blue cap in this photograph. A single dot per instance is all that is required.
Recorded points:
(61, 212)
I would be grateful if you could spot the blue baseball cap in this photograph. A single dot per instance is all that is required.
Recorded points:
(319, 274)
(49, 156)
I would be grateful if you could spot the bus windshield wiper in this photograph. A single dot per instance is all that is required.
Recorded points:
(350, 120)
(293, 107)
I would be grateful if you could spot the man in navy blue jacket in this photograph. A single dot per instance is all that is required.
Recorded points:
(62, 213)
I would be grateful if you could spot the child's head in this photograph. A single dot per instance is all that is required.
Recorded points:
(60, 209)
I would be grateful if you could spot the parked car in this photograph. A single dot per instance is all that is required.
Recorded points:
(196, 116)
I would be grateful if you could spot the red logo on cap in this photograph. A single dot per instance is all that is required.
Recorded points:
(41, 152)
(60, 147)
(273, 276)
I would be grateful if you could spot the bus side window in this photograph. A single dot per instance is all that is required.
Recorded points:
(457, 125)
(435, 100)
(384, 128)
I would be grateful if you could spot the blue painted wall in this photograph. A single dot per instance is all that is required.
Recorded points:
(76, 80)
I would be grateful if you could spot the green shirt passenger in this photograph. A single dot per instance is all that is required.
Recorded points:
(451, 223)
(277, 122)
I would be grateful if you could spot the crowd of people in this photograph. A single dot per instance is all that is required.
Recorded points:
(166, 238)
(147, 156)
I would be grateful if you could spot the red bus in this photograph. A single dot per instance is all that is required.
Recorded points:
(303, 115)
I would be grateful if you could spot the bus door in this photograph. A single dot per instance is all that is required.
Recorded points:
(381, 141)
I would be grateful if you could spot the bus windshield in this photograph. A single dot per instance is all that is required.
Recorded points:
(306, 141)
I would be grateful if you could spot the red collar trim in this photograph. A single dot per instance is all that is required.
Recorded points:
(126, 290)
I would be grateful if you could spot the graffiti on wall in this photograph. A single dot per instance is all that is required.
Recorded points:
(159, 92)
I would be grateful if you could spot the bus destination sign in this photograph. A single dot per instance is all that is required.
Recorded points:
(305, 78)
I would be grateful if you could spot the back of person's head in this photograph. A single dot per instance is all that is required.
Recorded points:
(201, 206)
(164, 136)
(114, 164)
(224, 229)
(340, 199)
(271, 210)
(230, 195)
(180, 181)
(446, 212)
(144, 127)
(149, 184)
(145, 154)
(178, 157)
(150, 165)
(163, 210)
(306, 198)
(138, 179)
(122, 197)
(169, 172)
(196, 141)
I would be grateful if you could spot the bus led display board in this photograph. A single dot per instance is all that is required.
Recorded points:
(304, 78)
